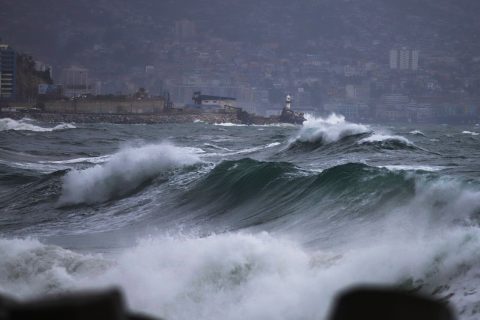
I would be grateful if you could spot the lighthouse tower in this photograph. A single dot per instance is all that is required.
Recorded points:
(288, 102)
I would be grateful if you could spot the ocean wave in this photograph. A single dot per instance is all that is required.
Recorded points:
(471, 133)
(270, 190)
(229, 152)
(26, 125)
(123, 173)
(235, 276)
(94, 160)
(328, 130)
(273, 193)
(387, 141)
(230, 124)
(401, 167)
(417, 133)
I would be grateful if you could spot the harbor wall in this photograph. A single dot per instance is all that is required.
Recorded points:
(54, 117)
(151, 106)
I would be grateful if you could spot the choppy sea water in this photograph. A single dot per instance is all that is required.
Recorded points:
(201, 221)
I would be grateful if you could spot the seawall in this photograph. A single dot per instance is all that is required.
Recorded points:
(125, 118)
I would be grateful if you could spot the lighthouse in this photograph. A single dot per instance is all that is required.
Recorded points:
(288, 102)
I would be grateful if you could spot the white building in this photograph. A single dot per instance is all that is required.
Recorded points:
(393, 59)
(404, 59)
(414, 62)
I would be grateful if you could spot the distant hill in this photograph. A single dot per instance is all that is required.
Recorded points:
(114, 36)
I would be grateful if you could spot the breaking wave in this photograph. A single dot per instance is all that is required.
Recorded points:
(387, 141)
(123, 173)
(237, 276)
(328, 130)
(26, 125)
(471, 133)
(417, 133)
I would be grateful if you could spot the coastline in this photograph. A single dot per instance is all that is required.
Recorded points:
(183, 117)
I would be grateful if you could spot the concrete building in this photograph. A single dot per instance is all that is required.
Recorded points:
(75, 82)
(42, 67)
(8, 69)
(393, 59)
(212, 102)
(415, 57)
(404, 59)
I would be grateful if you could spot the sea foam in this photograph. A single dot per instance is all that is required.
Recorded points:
(386, 138)
(123, 172)
(471, 133)
(240, 276)
(26, 125)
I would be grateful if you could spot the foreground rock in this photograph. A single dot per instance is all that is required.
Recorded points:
(107, 305)
(359, 303)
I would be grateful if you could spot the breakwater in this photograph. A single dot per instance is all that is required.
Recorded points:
(172, 116)
(125, 118)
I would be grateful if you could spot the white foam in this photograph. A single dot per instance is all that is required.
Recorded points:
(124, 172)
(378, 137)
(25, 125)
(95, 160)
(417, 133)
(412, 168)
(471, 133)
(49, 166)
(240, 276)
(328, 130)
(229, 124)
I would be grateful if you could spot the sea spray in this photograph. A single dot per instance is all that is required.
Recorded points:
(386, 140)
(123, 172)
(235, 276)
(26, 125)
(328, 130)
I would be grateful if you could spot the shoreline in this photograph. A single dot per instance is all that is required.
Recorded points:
(54, 117)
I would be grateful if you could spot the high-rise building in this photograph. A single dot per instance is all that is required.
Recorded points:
(8, 69)
(404, 59)
(415, 56)
(393, 59)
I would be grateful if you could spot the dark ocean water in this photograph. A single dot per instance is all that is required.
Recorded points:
(240, 222)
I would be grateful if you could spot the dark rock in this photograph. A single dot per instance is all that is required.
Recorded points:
(106, 305)
(289, 116)
(388, 304)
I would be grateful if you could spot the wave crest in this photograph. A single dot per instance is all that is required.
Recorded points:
(387, 141)
(244, 276)
(25, 125)
(123, 173)
(328, 130)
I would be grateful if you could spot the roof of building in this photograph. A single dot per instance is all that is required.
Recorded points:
(207, 97)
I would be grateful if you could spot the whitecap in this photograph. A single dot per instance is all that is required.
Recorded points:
(26, 125)
(412, 168)
(417, 133)
(471, 133)
(123, 172)
(328, 130)
(382, 138)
